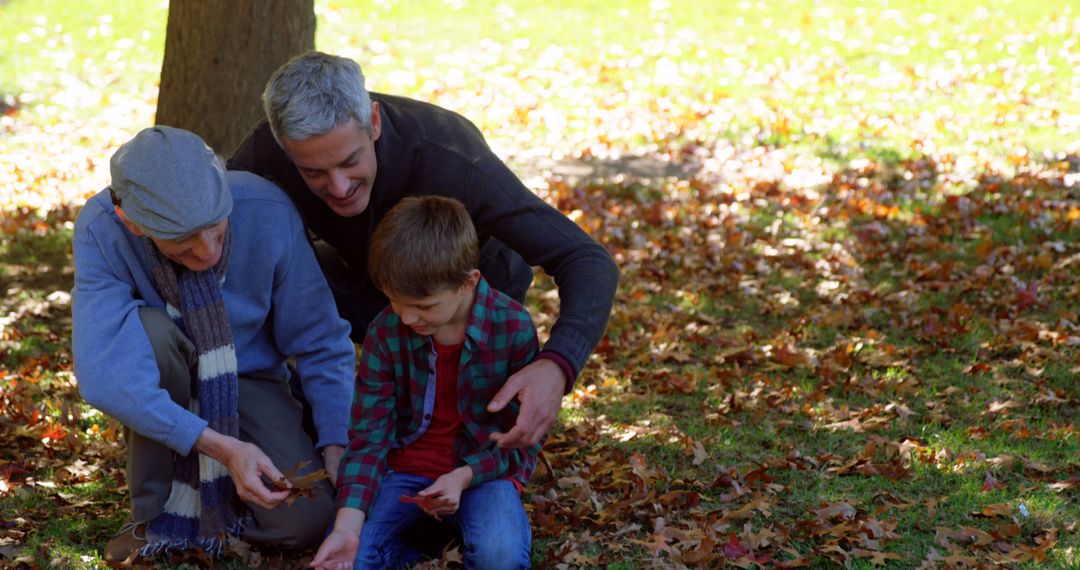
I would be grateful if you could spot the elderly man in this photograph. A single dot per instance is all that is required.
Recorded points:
(193, 285)
(346, 156)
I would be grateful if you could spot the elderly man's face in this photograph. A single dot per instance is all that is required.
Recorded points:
(339, 166)
(197, 252)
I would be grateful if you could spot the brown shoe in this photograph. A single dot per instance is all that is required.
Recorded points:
(123, 549)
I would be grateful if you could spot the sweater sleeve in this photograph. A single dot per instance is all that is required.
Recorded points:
(114, 361)
(582, 269)
(307, 326)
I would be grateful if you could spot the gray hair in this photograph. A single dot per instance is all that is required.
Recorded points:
(313, 93)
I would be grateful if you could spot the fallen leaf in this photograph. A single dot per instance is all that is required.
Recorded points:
(877, 557)
(733, 548)
(995, 510)
(991, 484)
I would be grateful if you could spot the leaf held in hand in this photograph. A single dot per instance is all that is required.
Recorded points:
(300, 485)
(429, 504)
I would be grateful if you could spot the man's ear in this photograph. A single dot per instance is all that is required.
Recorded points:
(376, 121)
(131, 226)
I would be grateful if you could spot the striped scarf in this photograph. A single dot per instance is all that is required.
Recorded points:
(198, 512)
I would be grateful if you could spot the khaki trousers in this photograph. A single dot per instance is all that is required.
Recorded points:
(270, 418)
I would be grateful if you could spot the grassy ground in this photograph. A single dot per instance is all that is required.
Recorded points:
(847, 335)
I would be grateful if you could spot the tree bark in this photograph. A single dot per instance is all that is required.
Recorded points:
(219, 55)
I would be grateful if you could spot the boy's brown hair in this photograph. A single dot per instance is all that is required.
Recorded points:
(424, 245)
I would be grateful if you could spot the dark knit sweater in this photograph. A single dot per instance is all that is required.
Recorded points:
(427, 150)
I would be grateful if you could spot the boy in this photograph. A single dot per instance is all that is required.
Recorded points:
(431, 362)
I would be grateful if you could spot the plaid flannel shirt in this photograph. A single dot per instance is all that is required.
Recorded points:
(395, 396)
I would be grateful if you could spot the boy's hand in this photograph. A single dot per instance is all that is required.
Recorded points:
(449, 487)
(337, 551)
(540, 387)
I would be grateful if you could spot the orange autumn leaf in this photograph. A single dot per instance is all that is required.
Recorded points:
(430, 504)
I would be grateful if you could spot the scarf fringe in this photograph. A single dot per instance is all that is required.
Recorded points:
(213, 547)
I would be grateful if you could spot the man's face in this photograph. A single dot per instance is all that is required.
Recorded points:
(339, 166)
(197, 252)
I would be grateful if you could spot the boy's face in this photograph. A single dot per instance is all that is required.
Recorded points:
(436, 314)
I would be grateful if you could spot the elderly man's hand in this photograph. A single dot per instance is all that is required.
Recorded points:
(246, 464)
(540, 387)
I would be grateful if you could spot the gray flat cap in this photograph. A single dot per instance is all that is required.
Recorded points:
(169, 182)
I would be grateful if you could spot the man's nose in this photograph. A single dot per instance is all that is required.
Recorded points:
(339, 184)
(207, 248)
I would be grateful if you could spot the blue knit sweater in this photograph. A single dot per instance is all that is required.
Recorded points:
(277, 299)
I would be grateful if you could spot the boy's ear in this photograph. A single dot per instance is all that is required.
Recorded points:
(132, 227)
(471, 281)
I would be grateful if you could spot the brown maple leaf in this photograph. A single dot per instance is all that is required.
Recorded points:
(877, 557)
(703, 554)
(658, 541)
(995, 510)
(843, 511)
(990, 483)
(1027, 296)
(300, 485)
(430, 504)
(733, 548)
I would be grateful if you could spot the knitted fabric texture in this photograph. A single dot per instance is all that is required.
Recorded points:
(198, 512)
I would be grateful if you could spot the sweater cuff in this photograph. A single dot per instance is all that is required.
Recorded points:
(564, 365)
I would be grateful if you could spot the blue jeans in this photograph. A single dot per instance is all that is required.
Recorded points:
(494, 526)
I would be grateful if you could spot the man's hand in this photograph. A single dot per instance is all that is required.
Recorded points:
(539, 386)
(331, 456)
(449, 487)
(246, 464)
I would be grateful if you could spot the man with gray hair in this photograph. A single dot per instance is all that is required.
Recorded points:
(193, 285)
(346, 156)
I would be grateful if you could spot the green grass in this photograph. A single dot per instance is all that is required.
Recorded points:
(930, 96)
(590, 79)
(843, 50)
(86, 45)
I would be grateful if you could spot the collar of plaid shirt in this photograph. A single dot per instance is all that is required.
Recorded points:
(479, 331)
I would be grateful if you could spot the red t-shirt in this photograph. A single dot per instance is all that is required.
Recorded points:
(432, 455)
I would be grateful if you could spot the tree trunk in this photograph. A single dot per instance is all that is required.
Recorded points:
(219, 55)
